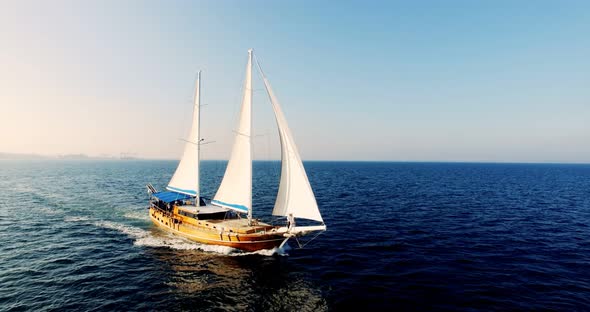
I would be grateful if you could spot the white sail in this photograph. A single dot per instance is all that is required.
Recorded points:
(235, 191)
(295, 196)
(186, 178)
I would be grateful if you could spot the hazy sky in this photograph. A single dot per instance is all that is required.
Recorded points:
(395, 80)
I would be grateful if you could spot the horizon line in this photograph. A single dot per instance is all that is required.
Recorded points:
(90, 158)
(82, 156)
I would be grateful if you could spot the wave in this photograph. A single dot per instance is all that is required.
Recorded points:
(50, 210)
(76, 218)
(148, 239)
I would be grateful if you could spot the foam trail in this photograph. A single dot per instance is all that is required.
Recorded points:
(263, 252)
(139, 215)
(129, 230)
(179, 244)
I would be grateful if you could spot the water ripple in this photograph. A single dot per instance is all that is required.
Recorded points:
(401, 236)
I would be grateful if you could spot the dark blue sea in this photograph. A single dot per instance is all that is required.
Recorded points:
(74, 235)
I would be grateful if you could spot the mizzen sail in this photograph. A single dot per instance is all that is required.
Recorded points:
(186, 178)
(235, 191)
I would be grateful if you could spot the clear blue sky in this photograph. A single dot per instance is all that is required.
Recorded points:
(396, 80)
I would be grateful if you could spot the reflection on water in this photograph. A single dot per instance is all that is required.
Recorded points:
(248, 282)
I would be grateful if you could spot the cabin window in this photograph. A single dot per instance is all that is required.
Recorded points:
(188, 214)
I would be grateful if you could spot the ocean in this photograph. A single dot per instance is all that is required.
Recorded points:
(75, 235)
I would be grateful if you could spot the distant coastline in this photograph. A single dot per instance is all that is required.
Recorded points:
(20, 156)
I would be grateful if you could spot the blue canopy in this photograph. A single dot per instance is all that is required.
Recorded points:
(169, 197)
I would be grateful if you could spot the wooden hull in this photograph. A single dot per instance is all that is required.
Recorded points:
(230, 233)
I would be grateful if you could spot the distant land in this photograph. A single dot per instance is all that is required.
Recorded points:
(65, 156)
(22, 156)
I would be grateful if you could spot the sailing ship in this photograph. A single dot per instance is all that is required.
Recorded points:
(227, 219)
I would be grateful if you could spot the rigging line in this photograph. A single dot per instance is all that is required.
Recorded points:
(268, 163)
(255, 57)
(242, 134)
(302, 246)
(240, 96)
(258, 65)
(198, 143)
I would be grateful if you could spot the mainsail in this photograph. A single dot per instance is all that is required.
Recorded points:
(235, 191)
(186, 178)
(295, 196)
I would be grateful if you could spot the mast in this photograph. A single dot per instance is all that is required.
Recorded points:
(249, 78)
(186, 177)
(198, 110)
